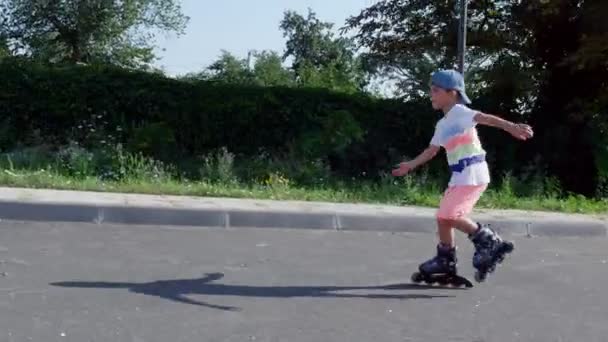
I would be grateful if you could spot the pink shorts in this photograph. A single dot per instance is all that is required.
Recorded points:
(458, 201)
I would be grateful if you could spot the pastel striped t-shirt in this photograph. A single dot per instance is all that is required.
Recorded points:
(457, 134)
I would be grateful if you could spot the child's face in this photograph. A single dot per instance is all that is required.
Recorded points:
(441, 98)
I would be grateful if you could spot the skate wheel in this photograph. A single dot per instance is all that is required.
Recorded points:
(480, 277)
(443, 282)
(508, 247)
(464, 282)
(459, 282)
(417, 277)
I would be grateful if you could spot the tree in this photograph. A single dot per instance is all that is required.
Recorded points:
(408, 39)
(4, 51)
(541, 60)
(268, 70)
(228, 69)
(89, 31)
(571, 109)
(320, 58)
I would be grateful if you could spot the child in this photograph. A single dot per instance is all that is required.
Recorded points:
(456, 133)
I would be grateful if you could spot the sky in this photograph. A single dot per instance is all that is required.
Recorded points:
(239, 26)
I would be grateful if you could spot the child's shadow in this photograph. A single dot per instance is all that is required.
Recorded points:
(177, 290)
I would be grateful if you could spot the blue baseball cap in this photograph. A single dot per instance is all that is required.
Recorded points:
(450, 80)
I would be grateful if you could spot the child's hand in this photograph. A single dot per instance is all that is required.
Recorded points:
(521, 131)
(403, 169)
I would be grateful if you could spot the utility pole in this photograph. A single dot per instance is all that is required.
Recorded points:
(462, 36)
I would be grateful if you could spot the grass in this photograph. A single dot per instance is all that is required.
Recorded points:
(76, 169)
(394, 194)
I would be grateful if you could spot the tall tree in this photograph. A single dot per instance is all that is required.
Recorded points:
(263, 68)
(4, 48)
(268, 70)
(408, 39)
(569, 49)
(113, 31)
(319, 58)
(228, 69)
(4, 51)
(545, 59)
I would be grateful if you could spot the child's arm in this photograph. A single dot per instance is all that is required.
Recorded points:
(519, 131)
(426, 155)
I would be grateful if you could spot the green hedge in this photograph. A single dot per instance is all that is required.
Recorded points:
(178, 120)
(171, 119)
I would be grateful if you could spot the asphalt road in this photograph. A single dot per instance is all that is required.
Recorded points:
(86, 282)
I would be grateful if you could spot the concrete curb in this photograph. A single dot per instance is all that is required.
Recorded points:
(76, 206)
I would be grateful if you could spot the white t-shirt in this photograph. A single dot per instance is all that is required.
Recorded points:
(457, 134)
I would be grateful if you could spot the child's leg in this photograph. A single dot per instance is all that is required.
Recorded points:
(465, 225)
(446, 233)
(456, 204)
